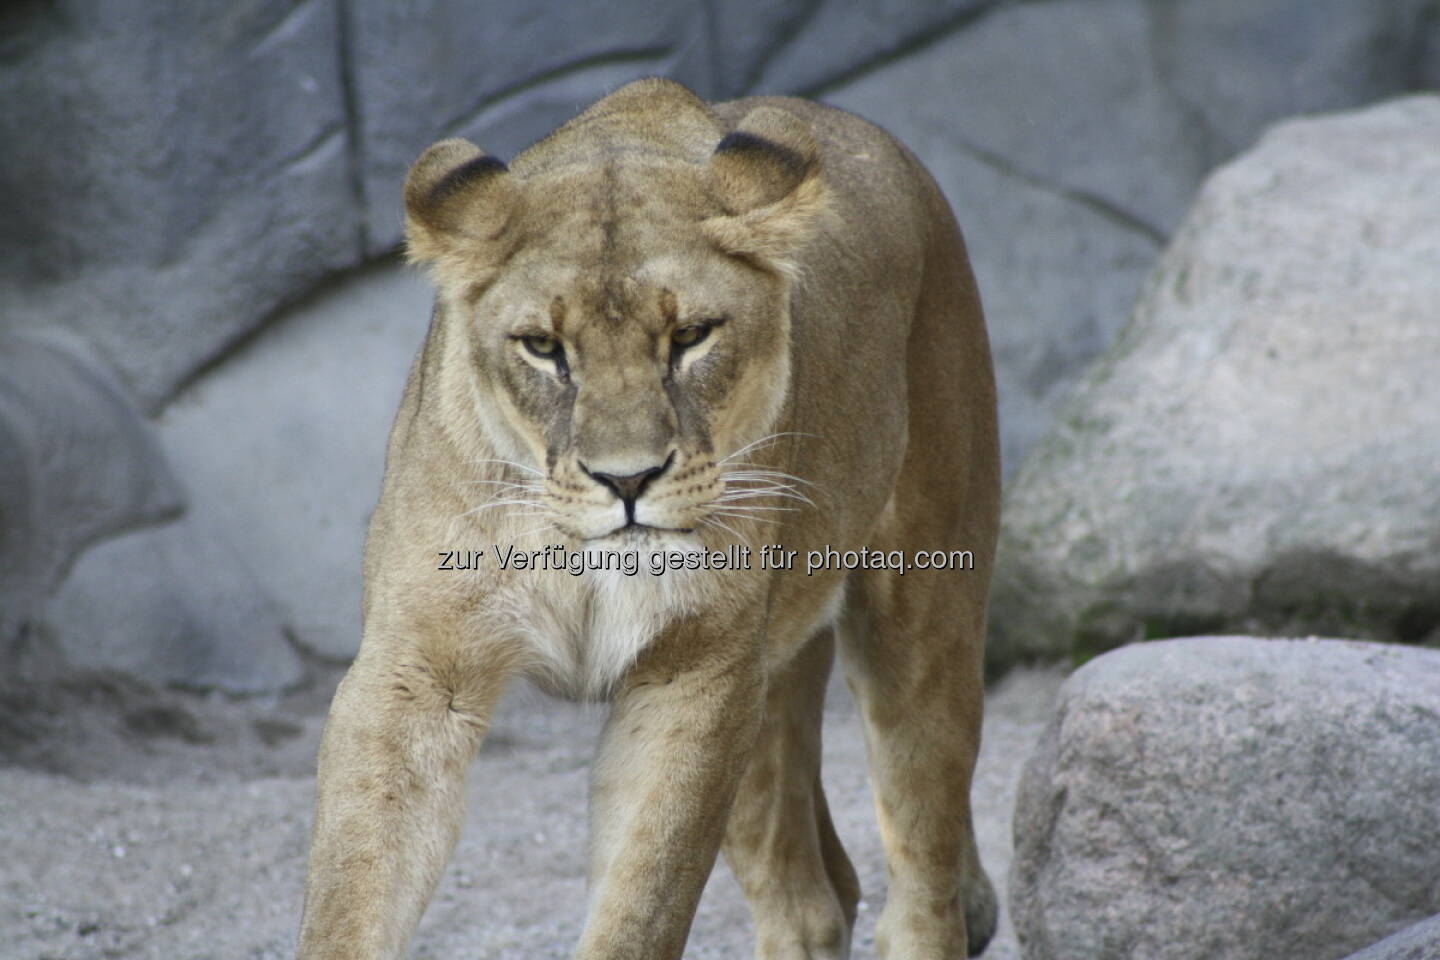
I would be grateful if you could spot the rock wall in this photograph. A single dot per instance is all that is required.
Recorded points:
(178, 180)
(174, 172)
(1072, 137)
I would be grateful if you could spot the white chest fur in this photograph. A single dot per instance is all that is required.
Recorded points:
(583, 631)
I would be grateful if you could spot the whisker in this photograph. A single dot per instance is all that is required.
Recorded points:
(730, 505)
(769, 476)
(743, 503)
(512, 488)
(735, 480)
(761, 473)
(740, 509)
(759, 493)
(527, 485)
(743, 516)
(711, 521)
(502, 503)
(765, 489)
(517, 466)
(505, 497)
(767, 440)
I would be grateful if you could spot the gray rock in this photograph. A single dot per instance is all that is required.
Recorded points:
(1261, 449)
(84, 571)
(283, 447)
(1418, 942)
(172, 605)
(77, 462)
(171, 173)
(1231, 799)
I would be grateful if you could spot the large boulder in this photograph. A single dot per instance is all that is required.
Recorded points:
(95, 569)
(1261, 449)
(173, 605)
(284, 446)
(78, 462)
(280, 452)
(1418, 942)
(1071, 138)
(1231, 799)
(171, 173)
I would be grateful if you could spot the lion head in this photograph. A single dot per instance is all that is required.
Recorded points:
(620, 297)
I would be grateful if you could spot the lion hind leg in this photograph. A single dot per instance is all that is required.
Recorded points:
(913, 664)
(780, 842)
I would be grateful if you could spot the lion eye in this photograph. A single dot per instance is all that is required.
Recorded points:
(691, 335)
(541, 346)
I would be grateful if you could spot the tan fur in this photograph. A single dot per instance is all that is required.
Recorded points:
(846, 401)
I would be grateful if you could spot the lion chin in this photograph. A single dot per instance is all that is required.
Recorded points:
(675, 345)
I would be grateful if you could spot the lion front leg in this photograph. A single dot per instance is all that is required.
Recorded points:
(672, 754)
(780, 841)
(403, 727)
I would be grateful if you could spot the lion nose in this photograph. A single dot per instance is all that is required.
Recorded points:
(630, 486)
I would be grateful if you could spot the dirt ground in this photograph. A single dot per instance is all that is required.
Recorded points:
(157, 824)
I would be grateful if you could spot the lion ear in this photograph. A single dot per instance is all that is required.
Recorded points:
(459, 204)
(766, 174)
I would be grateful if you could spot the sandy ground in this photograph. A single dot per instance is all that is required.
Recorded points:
(166, 825)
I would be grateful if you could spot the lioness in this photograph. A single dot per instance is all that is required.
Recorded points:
(671, 326)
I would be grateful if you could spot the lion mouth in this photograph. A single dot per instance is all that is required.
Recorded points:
(636, 529)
